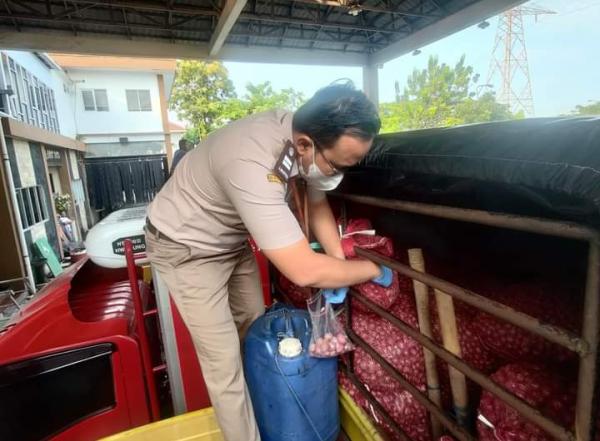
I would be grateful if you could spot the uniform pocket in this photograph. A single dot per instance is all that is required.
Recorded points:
(166, 251)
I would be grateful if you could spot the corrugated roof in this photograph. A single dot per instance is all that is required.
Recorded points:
(280, 23)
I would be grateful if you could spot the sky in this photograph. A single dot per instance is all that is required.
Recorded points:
(563, 52)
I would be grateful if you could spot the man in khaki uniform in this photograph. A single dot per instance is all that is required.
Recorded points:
(234, 184)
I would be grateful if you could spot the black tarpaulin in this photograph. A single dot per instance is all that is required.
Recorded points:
(545, 166)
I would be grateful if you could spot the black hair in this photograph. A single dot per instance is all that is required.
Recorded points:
(336, 110)
(183, 143)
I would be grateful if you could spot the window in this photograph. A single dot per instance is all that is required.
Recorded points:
(55, 391)
(32, 205)
(95, 99)
(138, 100)
(32, 101)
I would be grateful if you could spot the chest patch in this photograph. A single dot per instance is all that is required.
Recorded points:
(271, 177)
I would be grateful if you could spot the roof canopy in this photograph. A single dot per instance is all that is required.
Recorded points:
(328, 32)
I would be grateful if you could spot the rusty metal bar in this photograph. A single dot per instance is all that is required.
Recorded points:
(552, 333)
(348, 323)
(532, 414)
(584, 418)
(378, 407)
(424, 400)
(502, 220)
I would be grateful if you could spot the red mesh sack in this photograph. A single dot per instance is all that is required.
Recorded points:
(473, 351)
(297, 295)
(401, 351)
(382, 296)
(515, 344)
(542, 388)
(402, 407)
(379, 244)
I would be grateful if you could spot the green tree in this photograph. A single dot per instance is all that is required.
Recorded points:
(593, 108)
(483, 109)
(261, 97)
(200, 95)
(204, 96)
(440, 96)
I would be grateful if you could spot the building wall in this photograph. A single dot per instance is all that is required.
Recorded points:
(10, 258)
(80, 201)
(47, 229)
(28, 170)
(135, 148)
(131, 137)
(175, 137)
(57, 80)
(118, 120)
(64, 89)
(33, 64)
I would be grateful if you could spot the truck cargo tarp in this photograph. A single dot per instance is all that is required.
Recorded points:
(540, 167)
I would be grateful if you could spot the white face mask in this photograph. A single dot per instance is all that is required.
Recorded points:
(316, 178)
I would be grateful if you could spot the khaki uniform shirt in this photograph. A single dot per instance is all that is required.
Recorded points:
(225, 188)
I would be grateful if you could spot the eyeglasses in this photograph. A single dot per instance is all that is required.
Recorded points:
(335, 169)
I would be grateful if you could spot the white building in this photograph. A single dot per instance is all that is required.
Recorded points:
(56, 110)
(42, 158)
(121, 104)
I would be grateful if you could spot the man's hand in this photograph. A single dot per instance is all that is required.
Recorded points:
(385, 278)
(335, 296)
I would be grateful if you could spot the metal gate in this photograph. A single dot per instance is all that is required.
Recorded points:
(119, 182)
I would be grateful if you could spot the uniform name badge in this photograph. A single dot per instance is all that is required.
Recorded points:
(285, 162)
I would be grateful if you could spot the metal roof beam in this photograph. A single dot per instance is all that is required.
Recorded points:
(94, 44)
(125, 24)
(287, 55)
(321, 23)
(451, 24)
(145, 5)
(307, 40)
(369, 8)
(98, 44)
(227, 19)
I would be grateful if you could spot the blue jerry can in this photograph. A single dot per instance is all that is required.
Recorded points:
(295, 396)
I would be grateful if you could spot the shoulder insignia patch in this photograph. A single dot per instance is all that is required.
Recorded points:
(274, 179)
(285, 162)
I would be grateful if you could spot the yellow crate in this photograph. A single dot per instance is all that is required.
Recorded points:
(356, 424)
(194, 426)
(202, 426)
(147, 273)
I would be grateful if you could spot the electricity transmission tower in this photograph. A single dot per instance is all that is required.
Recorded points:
(509, 60)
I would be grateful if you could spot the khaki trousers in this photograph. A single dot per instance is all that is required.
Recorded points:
(218, 298)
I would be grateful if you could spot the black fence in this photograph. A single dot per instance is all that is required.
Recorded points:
(123, 181)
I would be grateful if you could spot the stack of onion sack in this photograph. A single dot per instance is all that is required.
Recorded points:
(511, 343)
(402, 407)
(404, 353)
(542, 388)
(473, 351)
(359, 234)
(297, 295)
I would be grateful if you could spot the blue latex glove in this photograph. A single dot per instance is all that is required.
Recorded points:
(386, 277)
(336, 295)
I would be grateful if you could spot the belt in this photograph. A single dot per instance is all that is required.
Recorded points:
(155, 231)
